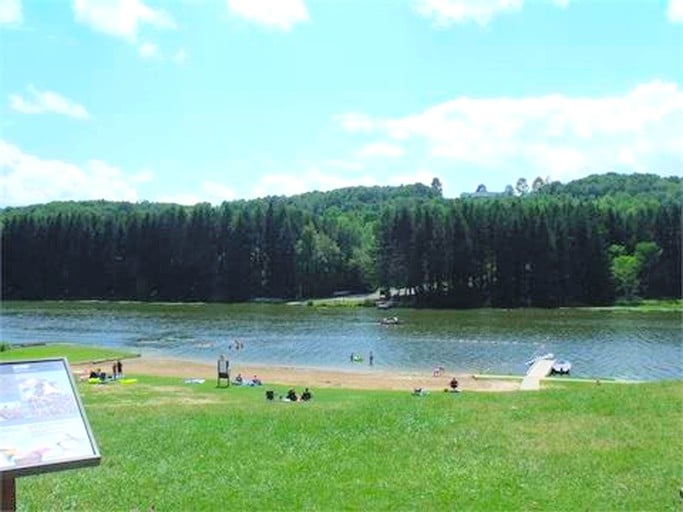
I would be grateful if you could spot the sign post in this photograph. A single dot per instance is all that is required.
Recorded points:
(8, 494)
(43, 426)
(223, 368)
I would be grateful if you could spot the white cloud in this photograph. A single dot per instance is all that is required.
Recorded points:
(144, 176)
(300, 182)
(120, 18)
(148, 50)
(675, 11)
(10, 12)
(560, 135)
(355, 122)
(280, 14)
(27, 179)
(209, 192)
(347, 165)
(216, 193)
(447, 12)
(382, 149)
(151, 51)
(410, 178)
(186, 199)
(41, 102)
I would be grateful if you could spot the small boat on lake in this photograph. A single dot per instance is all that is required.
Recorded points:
(390, 321)
(561, 367)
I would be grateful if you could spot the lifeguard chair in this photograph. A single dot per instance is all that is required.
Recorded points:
(223, 369)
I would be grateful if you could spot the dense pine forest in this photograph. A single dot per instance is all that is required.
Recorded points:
(589, 242)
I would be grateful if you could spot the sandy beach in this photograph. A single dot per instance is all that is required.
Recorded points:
(314, 378)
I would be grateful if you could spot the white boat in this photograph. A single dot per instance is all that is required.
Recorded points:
(561, 367)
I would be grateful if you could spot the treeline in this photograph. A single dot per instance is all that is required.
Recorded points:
(536, 251)
(561, 245)
(304, 246)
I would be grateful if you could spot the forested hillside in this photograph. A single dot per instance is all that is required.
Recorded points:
(587, 242)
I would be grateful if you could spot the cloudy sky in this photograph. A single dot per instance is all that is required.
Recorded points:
(212, 100)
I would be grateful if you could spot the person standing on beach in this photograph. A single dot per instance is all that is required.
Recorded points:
(119, 368)
(371, 358)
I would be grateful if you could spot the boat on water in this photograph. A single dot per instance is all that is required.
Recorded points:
(393, 320)
(561, 368)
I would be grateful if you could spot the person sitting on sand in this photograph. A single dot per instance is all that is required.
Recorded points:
(255, 381)
(291, 395)
(453, 386)
(306, 395)
(238, 379)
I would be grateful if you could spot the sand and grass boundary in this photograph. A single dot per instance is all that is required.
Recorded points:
(318, 378)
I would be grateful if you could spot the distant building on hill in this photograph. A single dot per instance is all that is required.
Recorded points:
(482, 193)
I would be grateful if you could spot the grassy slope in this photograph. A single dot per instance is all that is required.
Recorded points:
(179, 447)
(74, 353)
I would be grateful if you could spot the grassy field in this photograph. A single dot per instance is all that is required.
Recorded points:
(167, 445)
(74, 353)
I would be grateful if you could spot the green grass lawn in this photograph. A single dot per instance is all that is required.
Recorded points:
(74, 353)
(167, 445)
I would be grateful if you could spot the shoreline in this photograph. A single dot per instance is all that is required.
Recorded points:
(312, 377)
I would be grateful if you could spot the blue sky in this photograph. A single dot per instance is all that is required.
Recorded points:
(212, 100)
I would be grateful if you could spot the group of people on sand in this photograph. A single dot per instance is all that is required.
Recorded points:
(453, 387)
(116, 372)
(240, 381)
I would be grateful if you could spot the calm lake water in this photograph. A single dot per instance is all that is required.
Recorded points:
(606, 344)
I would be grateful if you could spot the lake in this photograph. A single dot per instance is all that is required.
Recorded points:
(599, 343)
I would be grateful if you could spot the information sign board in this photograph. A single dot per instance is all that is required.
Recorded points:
(43, 426)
